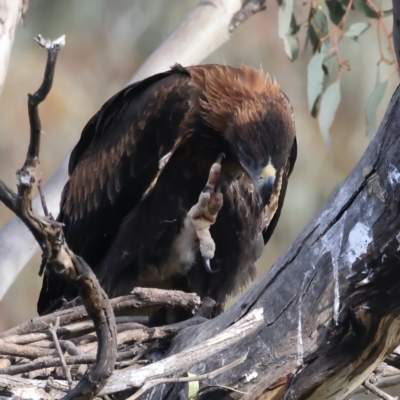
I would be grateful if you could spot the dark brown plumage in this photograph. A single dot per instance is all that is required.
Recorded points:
(142, 162)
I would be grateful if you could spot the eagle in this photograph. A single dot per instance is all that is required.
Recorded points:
(178, 182)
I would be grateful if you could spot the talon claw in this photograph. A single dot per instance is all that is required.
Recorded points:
(220, 157)
(207, 266)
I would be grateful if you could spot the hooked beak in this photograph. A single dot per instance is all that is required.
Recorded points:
(263, 181)
(264, 190)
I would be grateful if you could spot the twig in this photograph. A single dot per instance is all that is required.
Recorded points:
(53, 331)
(74, 329)
(10, 349)
(88, 358)
(210, 375)
(372, 388)
(140, 297)
(42, 199)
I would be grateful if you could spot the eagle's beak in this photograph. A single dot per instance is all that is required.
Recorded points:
(264, 190)
(263, 181)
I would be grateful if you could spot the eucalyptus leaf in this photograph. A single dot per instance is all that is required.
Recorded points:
(372, 105)
(336, 10)
(357, 29)
(285, 18)
(288, 26)
(329, 104)
(362, 5)
(294, 27)
(291, 45)
(318, 29)
(315, 80)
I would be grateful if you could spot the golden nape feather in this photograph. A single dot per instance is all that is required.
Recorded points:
(141, 164)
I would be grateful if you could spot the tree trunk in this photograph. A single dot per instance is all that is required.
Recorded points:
(331, 302)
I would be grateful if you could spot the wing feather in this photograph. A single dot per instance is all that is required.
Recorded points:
(113, 165)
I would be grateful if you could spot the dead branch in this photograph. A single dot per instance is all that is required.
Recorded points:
(67, 372)
(136, 378)
(376, 391)
(140, 297)
(56, 253)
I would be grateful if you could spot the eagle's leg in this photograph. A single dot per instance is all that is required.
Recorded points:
(204, 214)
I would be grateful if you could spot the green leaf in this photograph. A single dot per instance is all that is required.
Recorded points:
(356, 30)
(336, 10)
(285, 17)
(372, 105)
(362, 5)
(318, 29)
(315, 81)
(294, 28)
(329, 104)
(287, 28)
(291, 45)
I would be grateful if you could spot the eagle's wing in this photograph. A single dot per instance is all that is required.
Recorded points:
(117, 159)
(287, 170)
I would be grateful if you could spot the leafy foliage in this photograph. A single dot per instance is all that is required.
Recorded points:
(328, 23)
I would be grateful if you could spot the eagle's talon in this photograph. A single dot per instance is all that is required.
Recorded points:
(207, 266)
(204, 214)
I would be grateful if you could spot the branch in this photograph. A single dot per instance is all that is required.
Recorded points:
(373, 389)
(140, 297)
(205, 29)
(67, 372)
(176, 364)
(48, 233)
(210, 375)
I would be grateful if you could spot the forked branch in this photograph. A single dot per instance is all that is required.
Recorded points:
(56, 254)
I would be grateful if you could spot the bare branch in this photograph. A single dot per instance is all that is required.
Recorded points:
(381, 394)
(210, 375)
(205, 29)
(53, 331)
(135, 378)
(49, 235)
(140, 297)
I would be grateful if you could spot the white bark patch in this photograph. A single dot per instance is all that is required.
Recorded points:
(249, 377)
(359, 240)
(394, 176)
(335, 234)
(300, 349)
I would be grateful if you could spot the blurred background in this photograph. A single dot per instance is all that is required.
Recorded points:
(108, 40)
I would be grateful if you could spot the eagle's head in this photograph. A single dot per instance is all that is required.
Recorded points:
(262, 137)
(255, 117)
